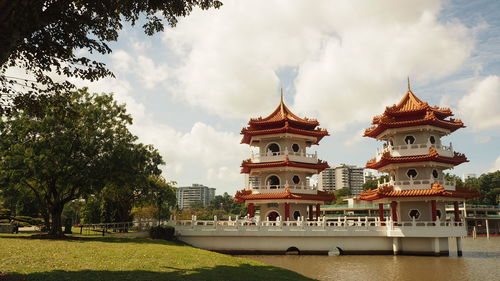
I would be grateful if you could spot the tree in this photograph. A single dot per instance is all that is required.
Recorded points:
(161, 195)
(71, 146)
(43, 36)
(341, 194)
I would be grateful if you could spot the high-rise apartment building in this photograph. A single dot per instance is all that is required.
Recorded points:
(186, 195)
(343, 176)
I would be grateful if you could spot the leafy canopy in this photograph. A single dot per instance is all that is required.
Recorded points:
(72, 146)
(43, 36)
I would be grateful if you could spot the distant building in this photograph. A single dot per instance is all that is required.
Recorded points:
(468, 176)
(370, 175)
(186, 195)
(343, 176)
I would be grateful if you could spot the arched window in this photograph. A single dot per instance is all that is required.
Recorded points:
(296, 179)
(432, 139)
(273, 215)
(412, 173)
(414, 213)
(435, 174)
(296, 215)
(409, 139)
(273, 147)
(295, 147)
(273, 181)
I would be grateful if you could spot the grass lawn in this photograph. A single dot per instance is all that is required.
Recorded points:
(135, 259)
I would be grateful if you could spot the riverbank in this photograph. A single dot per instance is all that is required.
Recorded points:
(134, 259)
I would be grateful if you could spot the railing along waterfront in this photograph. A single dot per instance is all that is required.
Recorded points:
(251, 224)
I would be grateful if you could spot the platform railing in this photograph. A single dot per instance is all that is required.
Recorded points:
(360, 222)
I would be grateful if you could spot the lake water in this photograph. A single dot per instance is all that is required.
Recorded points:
(480, 261)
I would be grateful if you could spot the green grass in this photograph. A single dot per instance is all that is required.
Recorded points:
(124, 259)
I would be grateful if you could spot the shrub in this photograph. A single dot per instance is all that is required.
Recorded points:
(162, 232)
(27, 221)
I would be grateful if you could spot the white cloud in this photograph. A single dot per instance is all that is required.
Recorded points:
(354, 139)
(352, 57)
(149, 73)
(480, 108)
(483, 139)
(496, 165)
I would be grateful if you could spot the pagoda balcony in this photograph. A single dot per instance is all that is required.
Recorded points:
(418, 184)
(300, 156)
(414, 149)
(302, 188)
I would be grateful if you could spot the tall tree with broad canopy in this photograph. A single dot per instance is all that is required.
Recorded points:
(43, 36)
(71, 146)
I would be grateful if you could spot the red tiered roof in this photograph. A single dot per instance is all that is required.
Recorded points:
(243, 195)
(411, 111)
(247, 165)
(386, 159)
(435, 190)
(282, 120)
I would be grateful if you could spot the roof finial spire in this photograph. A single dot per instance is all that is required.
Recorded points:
(409, 88)
(281, 95)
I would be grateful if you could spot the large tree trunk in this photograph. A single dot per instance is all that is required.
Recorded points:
(56, 223)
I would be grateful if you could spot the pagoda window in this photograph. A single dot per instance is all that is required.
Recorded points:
(409, 139)
(435, 174)
(296, 215)
(295, 147)
(412, 173)
(432, 140)
(273, 182)
(414, 213)
(296, 179)
(274, 148)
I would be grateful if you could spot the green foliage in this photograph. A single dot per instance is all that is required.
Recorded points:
(71, 146)
(162, 232)
(489, 186)
(373, 184)
(45, 37)
(341, 194)
(91, 211)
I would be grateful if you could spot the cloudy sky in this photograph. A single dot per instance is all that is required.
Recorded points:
(192, 88)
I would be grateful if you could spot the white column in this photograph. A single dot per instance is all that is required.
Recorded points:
(487, 230)
(436, 247)
(459, 246)
(395, 246)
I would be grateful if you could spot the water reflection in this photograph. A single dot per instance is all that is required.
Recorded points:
(480, 261)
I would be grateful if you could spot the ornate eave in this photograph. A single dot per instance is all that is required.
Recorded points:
(248, 165)
(287, 194)
(411, 111)
(386, 159)
(436, 190)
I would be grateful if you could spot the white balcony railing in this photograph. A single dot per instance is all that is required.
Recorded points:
(303, 188)
(300, 156)
(414, 149)
(418, 184)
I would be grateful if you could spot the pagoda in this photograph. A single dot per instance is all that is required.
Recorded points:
(277, 181)
(414, 157)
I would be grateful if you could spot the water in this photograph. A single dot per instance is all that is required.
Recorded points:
(480, 261)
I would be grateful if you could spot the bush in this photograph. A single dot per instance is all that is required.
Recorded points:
(162, 232)
(27, 221)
